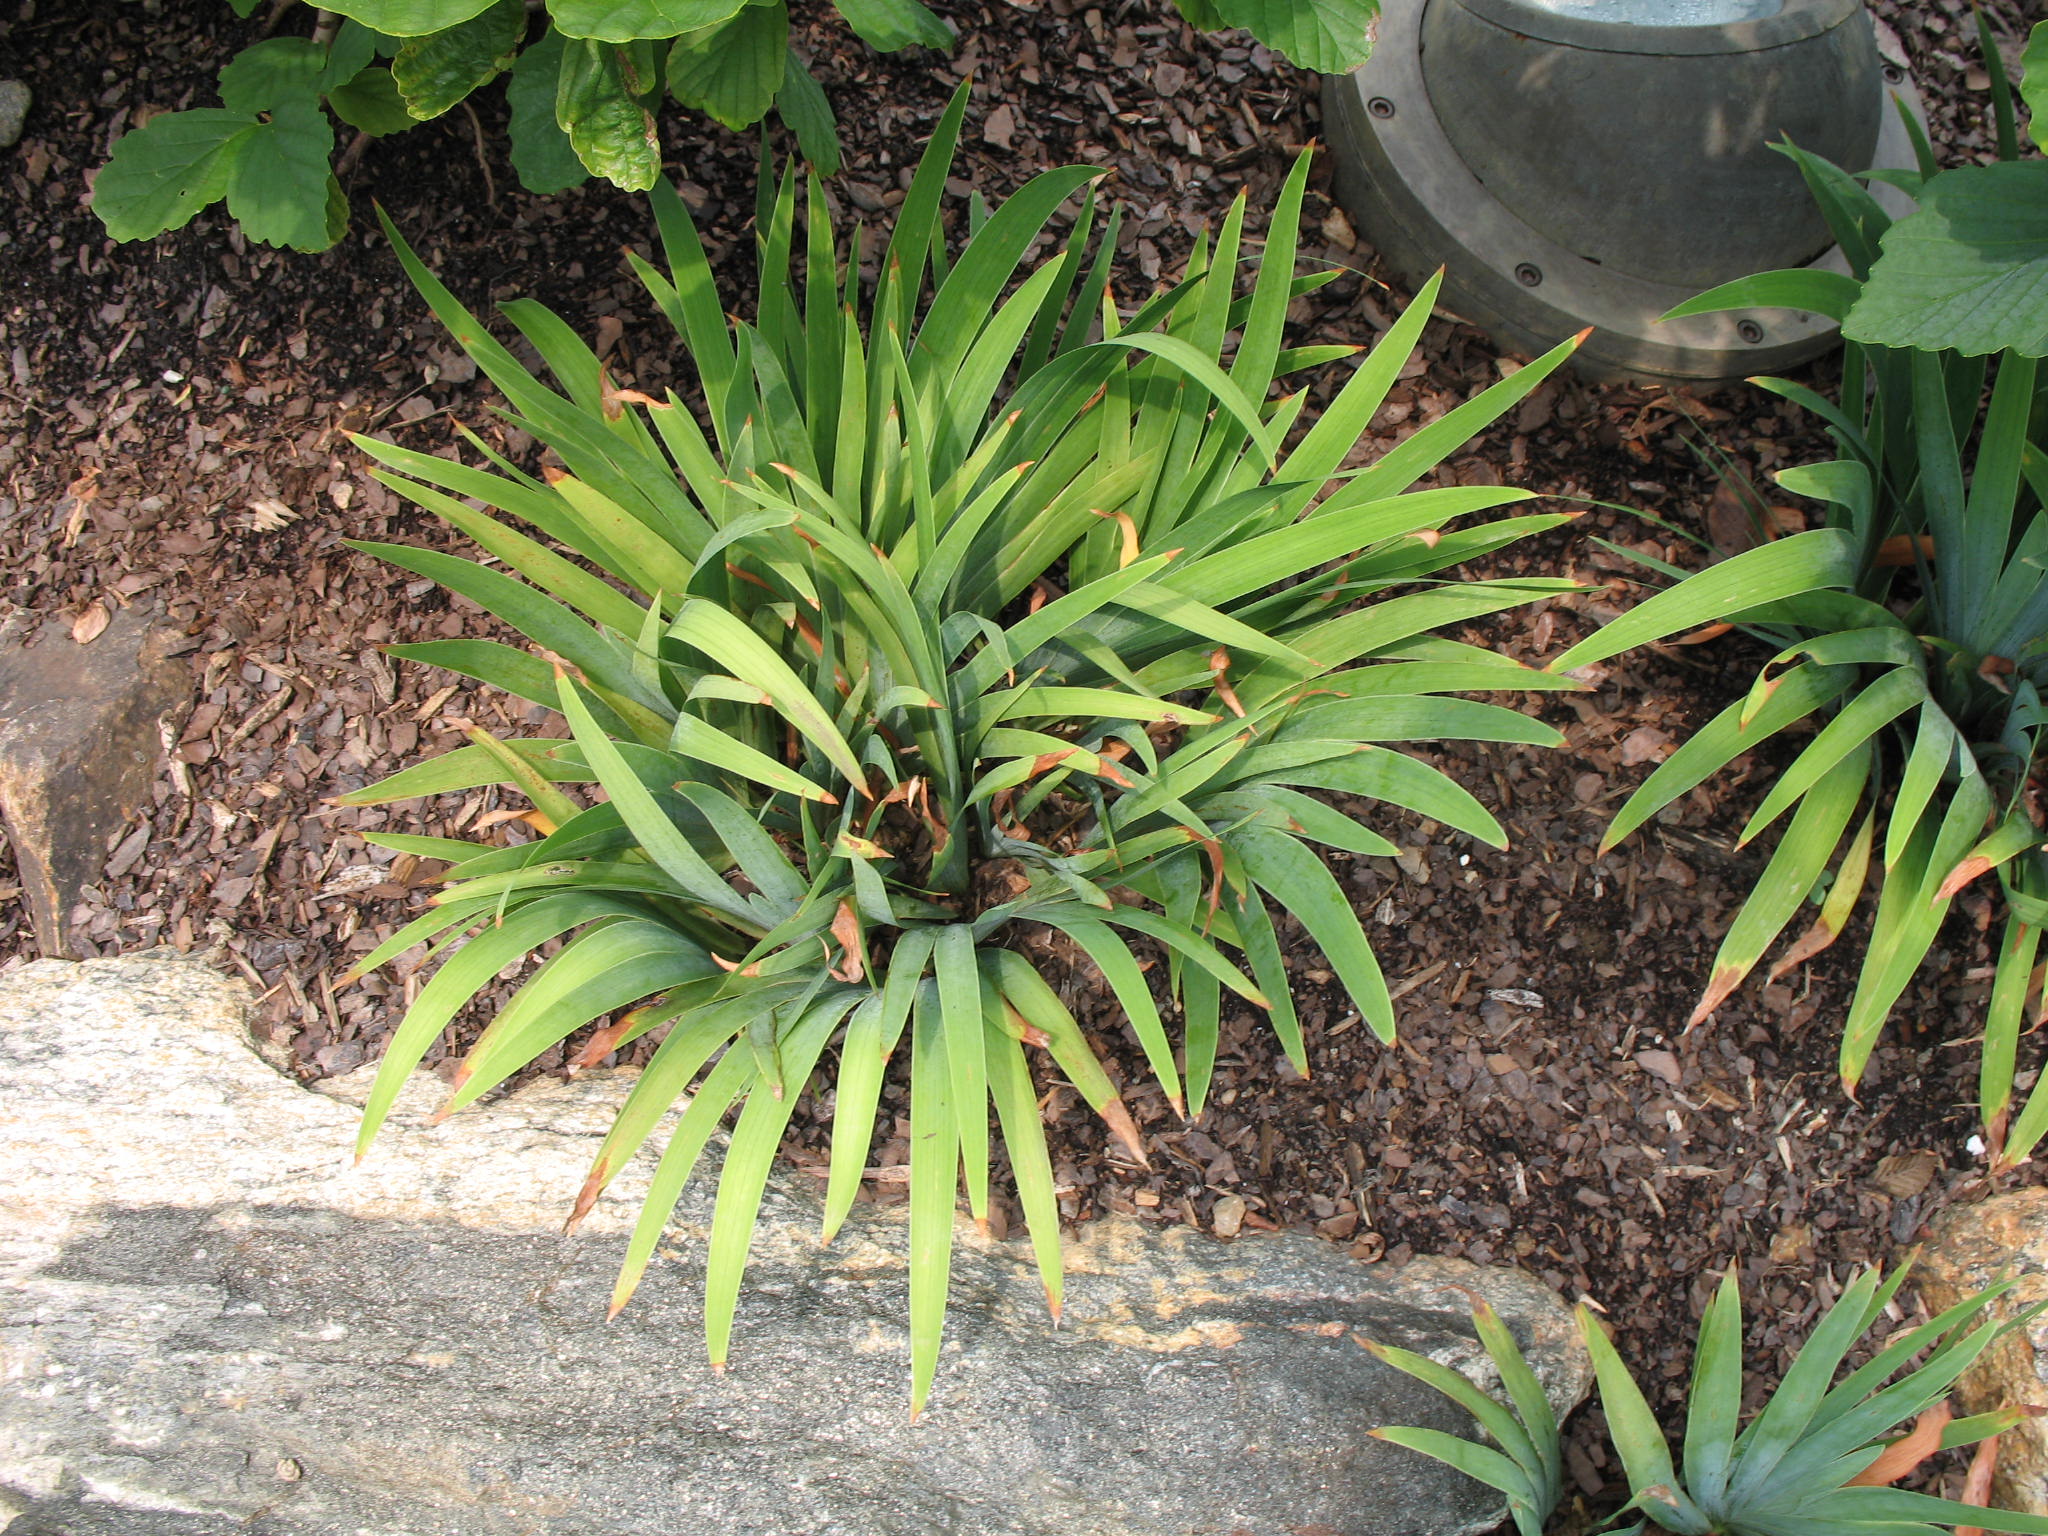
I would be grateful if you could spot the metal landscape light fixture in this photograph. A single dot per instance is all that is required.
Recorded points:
(1595, 162)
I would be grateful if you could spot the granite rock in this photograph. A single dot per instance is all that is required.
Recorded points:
(1970, 1247)
(80, 737)
(209, 1320)
(14, 104)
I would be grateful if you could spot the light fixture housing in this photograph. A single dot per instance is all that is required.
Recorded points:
(1596, 162)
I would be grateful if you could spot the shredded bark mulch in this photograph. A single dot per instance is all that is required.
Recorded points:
(172, 425)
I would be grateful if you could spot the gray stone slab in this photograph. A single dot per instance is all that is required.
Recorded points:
(210, 1321)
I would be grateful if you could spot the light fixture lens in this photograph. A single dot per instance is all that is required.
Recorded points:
(1663, 13)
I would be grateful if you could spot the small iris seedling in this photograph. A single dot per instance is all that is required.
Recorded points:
(1814, 1460)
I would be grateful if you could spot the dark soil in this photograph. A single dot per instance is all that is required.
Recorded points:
(171, 434)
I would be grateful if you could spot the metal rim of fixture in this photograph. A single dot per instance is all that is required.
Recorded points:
(1414, 195)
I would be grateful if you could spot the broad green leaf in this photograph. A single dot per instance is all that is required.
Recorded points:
(888, 25)
(437, 71)
(353, 50)
(732, 70)
(281, 189)
(370, 102)
(803, 106)
(409, 18)
(622, 21)
(541, 152)
(1967, 271)
(163, 173)
(278, 69)
(612, 134)
(1332, 37)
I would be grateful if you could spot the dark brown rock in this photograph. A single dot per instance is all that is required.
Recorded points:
(80, 737)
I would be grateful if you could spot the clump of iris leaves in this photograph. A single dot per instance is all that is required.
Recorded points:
(999, 612)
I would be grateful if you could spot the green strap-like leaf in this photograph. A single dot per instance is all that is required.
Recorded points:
(1479, 1462)
(467, 768)
(664, 842)
(871, 1038)
(1016, 1100)
(1802, 853)
(1769, 573)
(1808, 289)
(733, 1076)
(934, 1178)
(734, 646)
(748, 1158)
(1645, 1457)
(463, 975)
(1714, 1405)
(1862, 717)
(1303, 884)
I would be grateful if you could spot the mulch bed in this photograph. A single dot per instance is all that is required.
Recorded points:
(171, 433)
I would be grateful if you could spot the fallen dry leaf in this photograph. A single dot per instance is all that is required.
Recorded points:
(1907, 1452)
(1904, 1174)
(1645, 744)
(91, 624)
